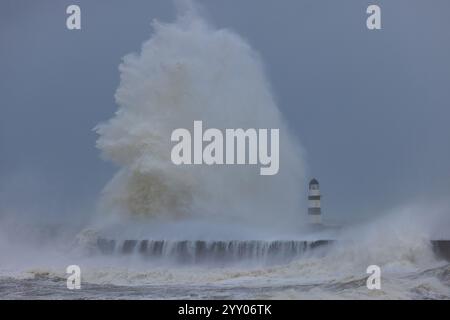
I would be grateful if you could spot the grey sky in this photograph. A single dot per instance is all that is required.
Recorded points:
(371, 108)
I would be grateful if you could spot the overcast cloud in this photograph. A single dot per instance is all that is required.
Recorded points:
(371, 108)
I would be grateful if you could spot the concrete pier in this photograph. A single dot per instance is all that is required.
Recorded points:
(442, 248)
(228, 251)
(212, 251)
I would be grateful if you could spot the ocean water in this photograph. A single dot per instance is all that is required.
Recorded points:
(304, 278)
(409, 270)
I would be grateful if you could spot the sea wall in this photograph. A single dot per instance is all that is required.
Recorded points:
(259, 251)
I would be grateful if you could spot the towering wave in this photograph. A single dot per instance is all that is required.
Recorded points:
(187, 71)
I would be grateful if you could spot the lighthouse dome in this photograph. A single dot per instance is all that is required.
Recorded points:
(313, 182)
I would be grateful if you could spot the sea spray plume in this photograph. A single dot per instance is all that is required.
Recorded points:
(190, 71)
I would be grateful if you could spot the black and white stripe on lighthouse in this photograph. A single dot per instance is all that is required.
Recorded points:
(314, 211)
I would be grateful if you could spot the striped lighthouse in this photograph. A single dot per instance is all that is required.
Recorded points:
(314, 211)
